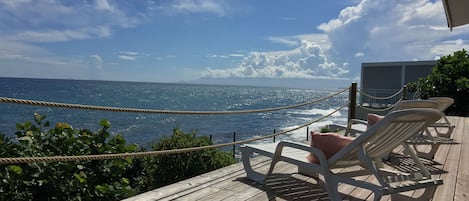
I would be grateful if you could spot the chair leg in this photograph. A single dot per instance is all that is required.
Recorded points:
(246, 154)
(332, 186)
(275, 159)
(417, 161)
(447, 134)
(378, 195)
(430, 155)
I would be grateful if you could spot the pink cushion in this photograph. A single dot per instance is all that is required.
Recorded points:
(329, 143)
(372, 119)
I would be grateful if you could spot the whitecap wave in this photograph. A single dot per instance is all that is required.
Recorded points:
(316, 111)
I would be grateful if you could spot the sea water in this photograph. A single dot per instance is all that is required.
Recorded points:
(143, 128)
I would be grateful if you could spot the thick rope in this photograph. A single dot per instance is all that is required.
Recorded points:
(150, 153)
(381, 109)
(381, 98)
(117, 109)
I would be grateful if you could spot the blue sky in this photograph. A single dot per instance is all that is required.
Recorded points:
(186, 40)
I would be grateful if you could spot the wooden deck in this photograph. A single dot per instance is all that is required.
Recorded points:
(451, 163)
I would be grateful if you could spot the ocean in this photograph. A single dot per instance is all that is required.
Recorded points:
(143, 128)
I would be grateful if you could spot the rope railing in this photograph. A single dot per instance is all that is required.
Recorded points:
(381, 98)
(152, 153)
(137, 110)
(381, 109)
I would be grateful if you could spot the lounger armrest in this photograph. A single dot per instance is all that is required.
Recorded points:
(358, 121)
(317, 152)
(348, 130)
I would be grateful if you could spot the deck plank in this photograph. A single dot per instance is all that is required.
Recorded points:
(230, 183)
(462, 187)
(451, 165)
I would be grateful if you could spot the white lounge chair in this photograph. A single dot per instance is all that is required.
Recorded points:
(423, 138)
(444, 103)
(359, 126)
(386, 135)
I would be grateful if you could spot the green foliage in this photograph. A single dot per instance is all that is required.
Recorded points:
(449, 77)
(327, 129)
(95, 179)
(80, 180)
(167, 169)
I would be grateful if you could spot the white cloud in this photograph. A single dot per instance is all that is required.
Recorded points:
(217, 7)
(54, 20)
(97, 62)
(359, 54)
(225, 56)
(130, 55)
(236, 55)
(447, 47)
(165, 57)
(295, 40)
(51, 35)
(381, 30)
(103, 5)
(371, 31)
(126, 57)
(284, 40)
(306, 61)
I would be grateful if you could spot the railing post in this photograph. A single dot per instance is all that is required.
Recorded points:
(234, 146)
(404, 92)
(274, 136)
(307, 131)
(352, 101)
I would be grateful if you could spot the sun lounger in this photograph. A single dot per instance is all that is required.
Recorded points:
(444, 103)
(365, 150)
(424, 138)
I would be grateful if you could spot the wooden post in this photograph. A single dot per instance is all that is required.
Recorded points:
(353, 101)
(307, 131)
(234, 146)
(274, 136)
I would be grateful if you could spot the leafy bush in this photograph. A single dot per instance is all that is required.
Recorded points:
(167, 169)
(449, 77)
(79, 180)
(111, 179)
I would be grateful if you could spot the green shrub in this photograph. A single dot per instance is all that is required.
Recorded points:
(112, 179)
(327, 129)
(449, 77)
(79, 180)
(166, 169)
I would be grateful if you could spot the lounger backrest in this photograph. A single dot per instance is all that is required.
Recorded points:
(390, 132)
(444, 102)
(408, 104)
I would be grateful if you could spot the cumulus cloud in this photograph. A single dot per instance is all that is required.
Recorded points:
(370, 31)
(306, 61)
(380, 30)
